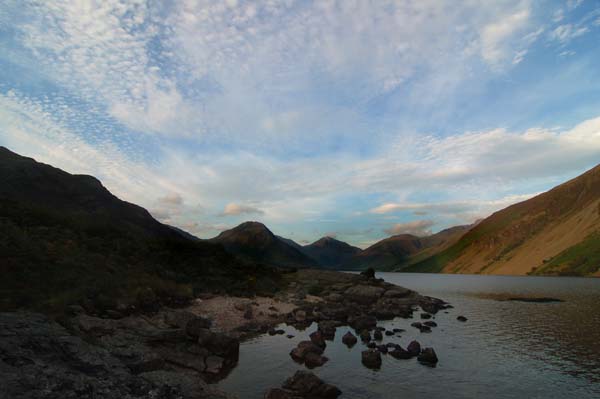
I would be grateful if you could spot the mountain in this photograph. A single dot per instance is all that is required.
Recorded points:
(330, 253)
(398, 251)
(66, 239)
(554, 233)
(255, 242)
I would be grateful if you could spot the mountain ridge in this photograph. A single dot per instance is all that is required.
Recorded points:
(531, 237)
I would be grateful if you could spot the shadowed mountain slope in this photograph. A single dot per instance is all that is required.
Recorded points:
(255, 242)
(66, 239)
(330, 253)
(398, 251)
(554, 233)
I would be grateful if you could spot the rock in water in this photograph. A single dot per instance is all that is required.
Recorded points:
(349, 339)
(414, 348)
(371, 359)
(428, 357)
(318, 339)
(327, 329)
(304, 384)
(365, 335)
(462, 318)
(312, 360)
(369, 273)
(304, 348)
(400, 353)
(377, 335)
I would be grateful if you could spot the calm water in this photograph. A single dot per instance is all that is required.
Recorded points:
(505, 350)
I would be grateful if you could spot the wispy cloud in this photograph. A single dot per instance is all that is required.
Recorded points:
(419, 228)
(237, 209)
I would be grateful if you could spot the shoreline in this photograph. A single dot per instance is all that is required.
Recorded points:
(183, 350)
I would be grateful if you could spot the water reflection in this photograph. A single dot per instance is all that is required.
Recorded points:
(505, 350)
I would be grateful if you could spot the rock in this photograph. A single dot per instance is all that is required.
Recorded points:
(369, 273)
(312, 360)
(425, 316)
(178, 318)
(289, 336)
(300, 316)
(214, 364)
(430, 323)
(364, 294)
(535, 300)
(377, 335)
(335, 297)
(399, 353)
(307, 385)
(462, 318)
(74, 310)
(363, 322)
(194, 326)
(327, 329)
(397, 292)
(304, 347)
(318, 339)
(398, 330)
(425, 329)
(371, 359)
(242, 304)
(349, 339)
(382, 348)
(248, 313)
(371, 345)
(365, 336)
(272, 331)
(416, 324)
(428, 357)
(389, 333)
(41, 359)
(414, 348)
(278, 393)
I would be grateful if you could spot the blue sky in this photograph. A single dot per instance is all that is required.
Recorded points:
(349, 118)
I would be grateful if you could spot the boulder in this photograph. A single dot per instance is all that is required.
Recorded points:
(305, 347)
(399, 353)
(425, 316)
(318, 339)
(397, 292)
(278, 393)
(327, 329)
(362, 322)
(428, 357)
(414, 348)
(364, 294)
(312, 360)
(371, 359)
(365, 336)
(369, 273)
(430, 323)
(462, 318)
(195, 325)
(305, 384)
(349, 339)
(389, 333)
(382, 348)
(377, 335)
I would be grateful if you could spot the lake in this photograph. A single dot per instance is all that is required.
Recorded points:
(505, 350)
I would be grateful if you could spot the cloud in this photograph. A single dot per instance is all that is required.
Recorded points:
(419, 228)
(495, 37)
(237, 209)
(173, 199)
(567, 32)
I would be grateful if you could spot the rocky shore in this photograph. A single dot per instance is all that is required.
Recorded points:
(176, 353)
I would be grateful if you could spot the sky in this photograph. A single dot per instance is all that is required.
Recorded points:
(353, 119)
